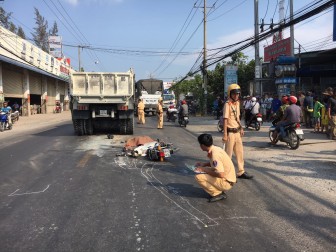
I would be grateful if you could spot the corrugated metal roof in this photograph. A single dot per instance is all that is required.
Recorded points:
(29, 67)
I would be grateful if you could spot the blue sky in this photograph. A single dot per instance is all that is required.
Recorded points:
(139, 33)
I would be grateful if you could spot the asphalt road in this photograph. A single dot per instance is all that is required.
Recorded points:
(61, 192)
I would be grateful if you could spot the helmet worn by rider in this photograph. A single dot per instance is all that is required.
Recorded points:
(160, 99)
(284, 99)
(254, 99)
(233, 89)
(292, 99)
(184, 102)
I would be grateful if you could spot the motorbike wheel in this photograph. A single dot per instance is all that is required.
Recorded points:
(2, 126)
(257, 126)
(294, 140)
(219, 127)
(270, 133)
(10, 126)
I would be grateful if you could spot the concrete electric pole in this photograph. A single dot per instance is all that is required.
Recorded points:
(205, 77)
(258, 75)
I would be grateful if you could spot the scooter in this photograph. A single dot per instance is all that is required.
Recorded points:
(183, 120)
(57, 108)
(15, 116)
(172, 114)
(255, 122)
(294, 135)
(4, 124)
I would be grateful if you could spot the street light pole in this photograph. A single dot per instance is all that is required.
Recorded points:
(205, 77)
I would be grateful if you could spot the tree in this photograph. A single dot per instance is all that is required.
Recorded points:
(5, 18)
(54, 30)
(21, 33)
(40, 36)
(12, 27)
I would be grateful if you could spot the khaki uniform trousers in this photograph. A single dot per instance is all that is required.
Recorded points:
(235, 145)
(332, 126)
(212, 185)
(141, 116)
(160, 121)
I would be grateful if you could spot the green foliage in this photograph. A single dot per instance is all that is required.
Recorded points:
(5, 18)
(40, 36)
(21, 33)
(54, 30)
(12, 27)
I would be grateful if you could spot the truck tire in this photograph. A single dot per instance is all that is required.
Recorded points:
(123, 126)
(129, 126)
(80, 127)
(89, 127)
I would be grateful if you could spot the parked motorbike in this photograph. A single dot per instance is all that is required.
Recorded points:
(255, 122)
(172, 114)
(4, 124)
(183, 120)
(294, 135)
(15, 116)
(58, 108)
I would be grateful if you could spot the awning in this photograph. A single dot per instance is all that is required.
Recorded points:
(29, 67)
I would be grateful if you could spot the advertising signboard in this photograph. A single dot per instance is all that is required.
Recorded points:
(230, 76)
(282, 47)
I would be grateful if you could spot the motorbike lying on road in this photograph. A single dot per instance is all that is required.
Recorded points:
(171, 114)
(4, 124)
(294, 134)
(183, 120)
(255, 122)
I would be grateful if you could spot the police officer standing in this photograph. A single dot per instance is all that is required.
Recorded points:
(159, 111)
(141, 112)
(233, 131)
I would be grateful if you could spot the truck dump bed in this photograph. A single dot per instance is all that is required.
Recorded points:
(102, 87)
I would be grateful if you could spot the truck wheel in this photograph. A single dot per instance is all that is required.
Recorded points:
(80, 127)
(129, 126)
(123, 127)
(89, 127)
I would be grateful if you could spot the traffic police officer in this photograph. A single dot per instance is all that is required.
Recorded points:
(219, 174)
(159, 111)
(141, 112)
(233, 131)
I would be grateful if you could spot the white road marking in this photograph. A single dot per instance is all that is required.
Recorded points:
(19, 194)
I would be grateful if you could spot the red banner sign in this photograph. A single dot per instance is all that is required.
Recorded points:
(282, 47)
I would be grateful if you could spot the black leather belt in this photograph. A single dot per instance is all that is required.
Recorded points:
(233, 130)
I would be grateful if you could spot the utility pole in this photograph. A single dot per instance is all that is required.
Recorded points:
(291, 28)
(258, 75)
(205, 75)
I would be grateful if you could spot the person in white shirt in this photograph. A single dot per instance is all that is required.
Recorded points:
(254, 108)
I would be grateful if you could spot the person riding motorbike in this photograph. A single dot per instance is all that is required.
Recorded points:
(252, 110)
(171, 109)
(183, 111)
(7, 109)
(292, 115)
(281, 111)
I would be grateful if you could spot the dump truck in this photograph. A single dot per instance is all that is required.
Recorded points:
(102, 101)
(149, 90)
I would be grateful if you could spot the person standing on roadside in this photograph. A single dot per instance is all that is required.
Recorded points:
(308, 105)
(301, 98)
(317, 114)
(141, 112)
(218, 174)
(159, 111)
(233, 131)
(332, 115)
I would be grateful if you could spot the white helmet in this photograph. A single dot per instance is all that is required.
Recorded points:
(254, 99)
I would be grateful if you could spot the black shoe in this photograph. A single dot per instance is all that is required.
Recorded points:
(245, 176)
(218, 197)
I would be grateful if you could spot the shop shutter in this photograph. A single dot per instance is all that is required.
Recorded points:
(35, 84)
(12, 83)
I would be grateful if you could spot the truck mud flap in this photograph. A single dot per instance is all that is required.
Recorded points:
(81, 114)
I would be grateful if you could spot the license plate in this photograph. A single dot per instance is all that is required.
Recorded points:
(299, 131)
(166, 152)
(185, 118)
(259, 119)
(103, 112)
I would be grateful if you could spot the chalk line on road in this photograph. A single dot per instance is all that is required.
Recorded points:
(26, 193)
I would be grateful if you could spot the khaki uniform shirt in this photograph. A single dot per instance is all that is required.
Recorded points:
(141, 106)
(221, 162)
(159, 109)
(230, 109)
